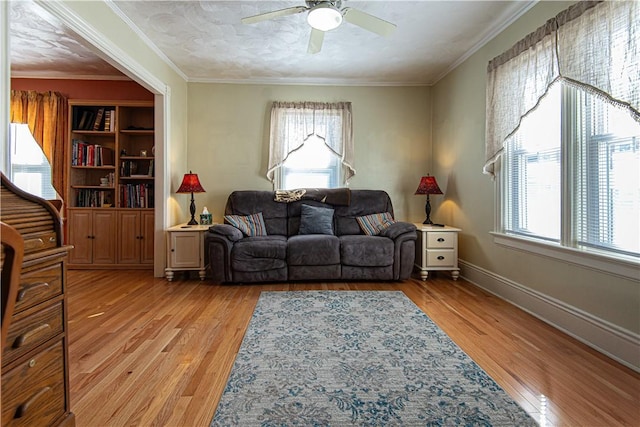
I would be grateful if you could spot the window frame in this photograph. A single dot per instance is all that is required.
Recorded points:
(566, 249)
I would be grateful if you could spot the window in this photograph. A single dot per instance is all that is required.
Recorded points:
(30, 169)
(311, 166)
(570, 174)
(311, 145)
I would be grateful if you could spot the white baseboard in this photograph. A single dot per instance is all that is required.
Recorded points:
(618, 343)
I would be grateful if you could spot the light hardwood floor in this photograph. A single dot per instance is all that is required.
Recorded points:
(144, 351)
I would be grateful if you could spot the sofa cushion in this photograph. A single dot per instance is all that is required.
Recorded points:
(251, 225)
(246, 202)
(316, 220)
(366, 251)
(313, 249)
(259, 253)
(373, 224)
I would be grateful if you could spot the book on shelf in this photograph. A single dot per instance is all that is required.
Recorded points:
(85, 154)
(136, 196)
(98, 120)
(86, 198)
(107, 120)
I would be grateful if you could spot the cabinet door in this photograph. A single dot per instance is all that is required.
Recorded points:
(184, 249)
(147, 223)
(104, 232)
(129, 237)
(80, 236)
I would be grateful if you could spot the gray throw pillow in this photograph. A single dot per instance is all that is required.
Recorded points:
(316, 220)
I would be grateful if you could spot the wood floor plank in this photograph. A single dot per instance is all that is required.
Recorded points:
(147, 352)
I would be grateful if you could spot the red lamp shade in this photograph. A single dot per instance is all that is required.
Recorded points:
(428, 185)
(190, 184)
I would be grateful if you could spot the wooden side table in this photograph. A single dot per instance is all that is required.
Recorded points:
(185, 250)
(437, 249)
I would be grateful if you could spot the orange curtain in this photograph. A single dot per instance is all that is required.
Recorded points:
(46, 115)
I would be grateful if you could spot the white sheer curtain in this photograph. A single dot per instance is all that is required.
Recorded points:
(292, 123)
(593, 45)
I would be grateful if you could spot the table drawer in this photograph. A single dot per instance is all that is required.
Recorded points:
(39, 285)
(30, 331)
(33, 392)
(441, 258)
(437, 239)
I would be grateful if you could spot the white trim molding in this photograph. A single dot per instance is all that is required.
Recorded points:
(621, 267)
(618, 343)
(107, 50)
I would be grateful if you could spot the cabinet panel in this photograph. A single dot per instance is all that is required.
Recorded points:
(185, 250)
(148, 225)
(80, 232)
(129, 241)
(135, 242)
(104, 241)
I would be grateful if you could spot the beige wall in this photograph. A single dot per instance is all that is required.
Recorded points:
(469, 202)
(228, 127)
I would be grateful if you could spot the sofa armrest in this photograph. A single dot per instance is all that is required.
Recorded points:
(397, 229)
(219, 241)
(228, 231)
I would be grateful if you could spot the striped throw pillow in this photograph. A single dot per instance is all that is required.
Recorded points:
(251, 225)
(373, 224)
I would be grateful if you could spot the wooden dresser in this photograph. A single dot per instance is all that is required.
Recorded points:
(35, 361)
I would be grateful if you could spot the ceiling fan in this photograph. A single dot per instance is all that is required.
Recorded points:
(327, 15)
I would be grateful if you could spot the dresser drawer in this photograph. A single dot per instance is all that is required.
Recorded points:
(33, 392)
(39, 285)
(441, 258)
(36, 242)
(26, 333)
(440, 239)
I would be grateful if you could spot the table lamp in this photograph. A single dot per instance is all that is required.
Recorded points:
(191, 184)
(428, 185)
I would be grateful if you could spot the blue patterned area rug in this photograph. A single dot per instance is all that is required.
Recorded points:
(353, 358)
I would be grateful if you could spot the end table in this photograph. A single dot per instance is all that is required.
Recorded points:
(185, 250)
(437, 249)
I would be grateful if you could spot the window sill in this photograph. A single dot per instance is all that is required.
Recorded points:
(627, 268)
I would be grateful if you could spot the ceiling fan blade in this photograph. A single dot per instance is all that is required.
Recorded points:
(368, 22)
(315, 41)
(274, 14)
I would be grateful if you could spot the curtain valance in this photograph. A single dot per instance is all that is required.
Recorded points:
(292, 123)
(592, 45)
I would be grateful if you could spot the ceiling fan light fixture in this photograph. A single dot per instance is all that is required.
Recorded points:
(324, 17)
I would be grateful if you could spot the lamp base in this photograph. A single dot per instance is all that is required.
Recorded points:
(428, 221)
(192, 211)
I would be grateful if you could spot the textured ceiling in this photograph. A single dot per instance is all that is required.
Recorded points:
(205, 41)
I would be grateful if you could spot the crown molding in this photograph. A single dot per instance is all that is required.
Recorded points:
(525, 6)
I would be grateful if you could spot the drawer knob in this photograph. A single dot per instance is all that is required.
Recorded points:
(21, 411)
(440, 257)
(32, 363)
(440, 239)
(52, 239)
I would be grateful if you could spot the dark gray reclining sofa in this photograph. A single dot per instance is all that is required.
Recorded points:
(285, 255)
